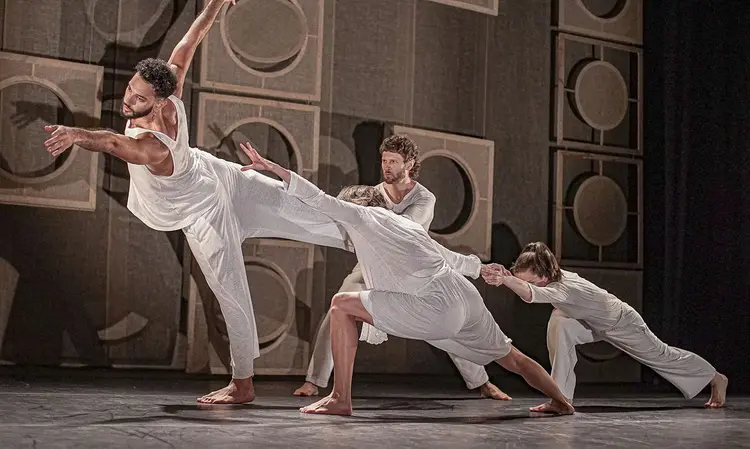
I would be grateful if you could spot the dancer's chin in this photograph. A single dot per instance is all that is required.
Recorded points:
(130, 115)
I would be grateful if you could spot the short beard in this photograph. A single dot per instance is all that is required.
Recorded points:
(136, 115)
(396, 178)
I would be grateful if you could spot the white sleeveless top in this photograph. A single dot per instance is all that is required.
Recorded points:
(170, 203)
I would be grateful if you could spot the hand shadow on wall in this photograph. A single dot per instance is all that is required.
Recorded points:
(37, 326)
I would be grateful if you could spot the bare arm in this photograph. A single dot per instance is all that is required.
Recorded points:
(519, 287)
(496, 275)
(183, 53)
(143, 150)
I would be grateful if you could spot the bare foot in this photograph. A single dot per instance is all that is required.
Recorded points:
(307, 389)
(557, 407)
(718, 391)
(491, 391)
(239, 391)
(329, 405)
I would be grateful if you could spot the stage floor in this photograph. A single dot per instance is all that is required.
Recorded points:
(112, 412)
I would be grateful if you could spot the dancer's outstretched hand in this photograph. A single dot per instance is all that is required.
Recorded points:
(257, 162)
(62, 138)
(494, 274)
(500, 270)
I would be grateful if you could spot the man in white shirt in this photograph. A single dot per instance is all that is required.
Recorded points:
(415, 289)
(217, 206)
(410, 199)
(585, 313)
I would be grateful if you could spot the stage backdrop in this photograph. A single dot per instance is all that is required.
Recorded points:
(528, 116)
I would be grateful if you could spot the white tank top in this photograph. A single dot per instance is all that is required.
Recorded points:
(169, 203)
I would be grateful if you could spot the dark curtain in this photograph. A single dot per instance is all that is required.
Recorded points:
(697, 179)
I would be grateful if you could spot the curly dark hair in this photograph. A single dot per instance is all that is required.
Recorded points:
(159, 75)
(403, 145)
(362, 195)
(539, 259)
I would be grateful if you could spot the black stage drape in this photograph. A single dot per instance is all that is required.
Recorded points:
(697, 179)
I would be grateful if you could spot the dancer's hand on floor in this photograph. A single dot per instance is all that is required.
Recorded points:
(257, 162)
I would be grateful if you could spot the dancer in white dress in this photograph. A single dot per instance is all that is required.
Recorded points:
(585, 313)
(408, 198)
(415, 289)
(175, 187)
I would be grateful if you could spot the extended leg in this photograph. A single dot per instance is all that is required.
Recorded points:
(537, 377)
(265, 210)
(687, 371)
(475, 376)
(346, 309)
(220, 259)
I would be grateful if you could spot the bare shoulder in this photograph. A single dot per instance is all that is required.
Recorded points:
(170, 120)
(169, 112)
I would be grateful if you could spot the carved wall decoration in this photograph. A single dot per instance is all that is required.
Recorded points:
(58, 92)
(598, 210)
(598, 96)
(462, 224)
(266, 47)
(617, 20)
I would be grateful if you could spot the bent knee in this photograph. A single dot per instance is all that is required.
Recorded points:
(564, 330)
(341, 302)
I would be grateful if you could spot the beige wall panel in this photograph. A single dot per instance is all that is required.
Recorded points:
(598, 95)
(598, 210)
(468, 230)
(483, 6)
(618, 20)
(57, 92)
(288, 131)
(266, 47)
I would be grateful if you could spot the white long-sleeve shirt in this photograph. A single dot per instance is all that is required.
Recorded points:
(580, 299)
(396, 254)
(418, 205)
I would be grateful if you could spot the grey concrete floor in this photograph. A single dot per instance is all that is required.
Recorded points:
(116, 412)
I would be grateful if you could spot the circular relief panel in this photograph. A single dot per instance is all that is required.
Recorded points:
(600, 210)
(451, 185)
(605, 10)
(265, 36)
(25, 108)
(601, 95)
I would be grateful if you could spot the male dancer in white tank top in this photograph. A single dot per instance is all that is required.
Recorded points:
(410, 199)
(173, 186)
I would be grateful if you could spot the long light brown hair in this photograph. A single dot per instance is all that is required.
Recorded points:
(539, 259)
